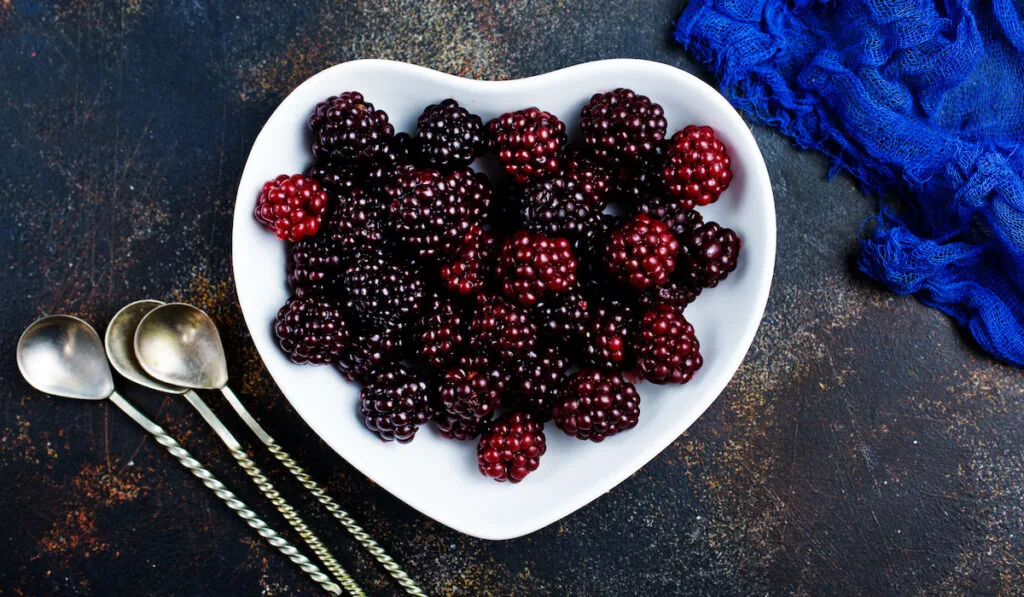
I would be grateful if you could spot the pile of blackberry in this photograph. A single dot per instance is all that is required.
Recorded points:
(492, 307)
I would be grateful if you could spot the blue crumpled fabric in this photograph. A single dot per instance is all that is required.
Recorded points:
(923, 102)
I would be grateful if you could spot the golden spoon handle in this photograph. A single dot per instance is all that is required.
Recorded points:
(318, 492)
(225, 495)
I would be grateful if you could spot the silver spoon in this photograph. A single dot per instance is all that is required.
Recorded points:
(119, 342)
(63, 356)
(179, 344)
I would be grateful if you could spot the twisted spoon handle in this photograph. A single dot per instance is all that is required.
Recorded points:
(318, 492)
(229, 498)
(267, 488)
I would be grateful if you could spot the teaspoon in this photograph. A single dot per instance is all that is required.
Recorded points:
(63, 356)
(179, 344)
(119, 342)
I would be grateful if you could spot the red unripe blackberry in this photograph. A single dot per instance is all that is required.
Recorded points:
(430, 210)
(441, 332)
(448, 136)
(313, 266)
(501, 328)
(609, 337)
(510, 448)
(667, 350)
(394, 404)
(311, 330)
(472, 390)
(347, 129)
(642, 252)
(697, 167)
(291, 206)
(534, 381)
(621, 127)
(532, 266)
(465, 272)
(556, 207)
(356, 223)
(529, 143)
(707, 252)
(597, 403)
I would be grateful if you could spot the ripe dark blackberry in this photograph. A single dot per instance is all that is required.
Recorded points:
(667, 350)
(697, 167)
(335, 180)
(642, 252)
(347, 129)
(449, 137)
(311, 330)
(597, 403)
(472, 390)
(356, 223)
(556, 207)
(370, 351)
(667, 209)
(639, 182)
(564, 318)
(455, 427)
(532, 266)
(394, 404)
(313, 266)
(675, 293)
(441, 332)
(593, 181)
(707, 252)
(529, 143)
(610, 335)
(535, 380)
(621, 127)
(501, 328)
(378, 289)
(510, 448)
(430, 210)
(465, 272)
(291, 206)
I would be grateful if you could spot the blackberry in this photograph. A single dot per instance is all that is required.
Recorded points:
(707, 252)
(564, 318)
(429, 210)
(592, 180)
(336, 180)
(313, 266)
(667, 209)
(378, 289)
(609, 337)
(455, 427)
(529, 143)
(472, 390)
(667, 349)
(311, 330)
(356, 223)
(556, 207)
(501, 328)
(291, 206)
(642, 252)
(465, 273)
(369, 351)
(597, 403)
(394, 404)
(448, 136)
(535, 380)
(697, 168)
(510, 448)
(441, 334)
(531, 266)
(621, 127)
(348, 130)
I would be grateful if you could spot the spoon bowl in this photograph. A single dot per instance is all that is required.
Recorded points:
(178, 344)
(63, 356)
(120, 344)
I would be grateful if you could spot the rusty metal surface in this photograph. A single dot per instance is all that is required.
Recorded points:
(864, 447)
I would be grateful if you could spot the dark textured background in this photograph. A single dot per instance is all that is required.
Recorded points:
(863, 448)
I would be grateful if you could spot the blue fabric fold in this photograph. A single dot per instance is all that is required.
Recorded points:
(920, 100)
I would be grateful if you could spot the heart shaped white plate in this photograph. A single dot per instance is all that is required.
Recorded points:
(439, 477)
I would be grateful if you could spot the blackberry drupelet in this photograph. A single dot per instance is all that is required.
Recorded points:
(641, 253)
(667, 350)
(597, 403)
(291, 206)
(394, 404)
(621, 127)
(529, 143)
(510, 448)
(532, 266)
(707, 252)
(311, 330)
(697, 168)
(449, 137)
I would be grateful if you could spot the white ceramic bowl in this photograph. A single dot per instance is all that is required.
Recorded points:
(439, 477)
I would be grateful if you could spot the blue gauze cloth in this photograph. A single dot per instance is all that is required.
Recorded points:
(922, 101)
